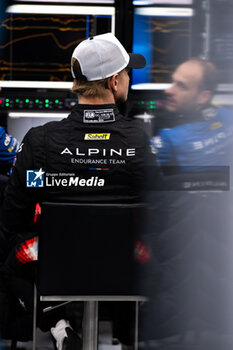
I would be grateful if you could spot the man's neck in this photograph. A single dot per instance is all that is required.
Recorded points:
(96, 100)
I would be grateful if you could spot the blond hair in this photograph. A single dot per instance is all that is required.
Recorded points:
(85, 88)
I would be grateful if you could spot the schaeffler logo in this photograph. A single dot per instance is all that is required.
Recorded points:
(35, 178)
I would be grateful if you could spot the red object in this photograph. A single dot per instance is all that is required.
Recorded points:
(37, 213)
(142, 254)
(27, 251)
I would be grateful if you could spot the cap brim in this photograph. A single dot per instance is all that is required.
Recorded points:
(136, 61)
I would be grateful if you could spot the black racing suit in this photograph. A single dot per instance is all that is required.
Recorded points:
(93, 142)
(95, 155)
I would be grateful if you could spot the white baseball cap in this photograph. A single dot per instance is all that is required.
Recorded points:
(102, 56)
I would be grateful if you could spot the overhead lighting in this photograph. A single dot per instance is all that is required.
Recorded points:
(163, 2)
(62, 10)
(37, 115)
(150, 86)
(72, 1)
(36, 84)
(164, 11)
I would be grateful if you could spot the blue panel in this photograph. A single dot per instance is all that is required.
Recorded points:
(141, 40)
(165, 43)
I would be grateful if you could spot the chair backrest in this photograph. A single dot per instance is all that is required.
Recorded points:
(88, 249)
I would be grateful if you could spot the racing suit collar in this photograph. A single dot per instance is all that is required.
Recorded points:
(108, 113)
(206, 113)
(103, 106)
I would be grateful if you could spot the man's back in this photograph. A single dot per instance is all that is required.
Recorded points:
(79, 160)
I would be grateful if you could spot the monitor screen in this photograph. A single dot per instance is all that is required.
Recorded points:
(163, 36)
(221, 42)
(38, 41)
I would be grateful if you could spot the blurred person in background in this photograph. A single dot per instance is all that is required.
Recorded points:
(189, 280)
(202, 135)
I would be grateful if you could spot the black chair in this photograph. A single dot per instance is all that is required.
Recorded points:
(92, 246)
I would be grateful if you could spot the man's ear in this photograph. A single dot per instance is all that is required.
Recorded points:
(113, 83)
(204, 97)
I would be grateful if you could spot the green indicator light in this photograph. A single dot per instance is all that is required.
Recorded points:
(7, 100)
(142, 102)
(152, 102)
(152, 107)
(27, 100)
(56, 101)
(46, 101)
(46, 105)
(17, 100)
(37, 101)
(7, 104)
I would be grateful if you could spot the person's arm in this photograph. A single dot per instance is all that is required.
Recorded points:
(19, 200)
(161, 146)
(8, 150)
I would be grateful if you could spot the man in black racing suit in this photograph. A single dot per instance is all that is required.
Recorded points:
(95, 155)
(102, 162)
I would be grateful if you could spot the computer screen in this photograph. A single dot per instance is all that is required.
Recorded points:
(163, 36)
(38, 41)
(220, 36)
